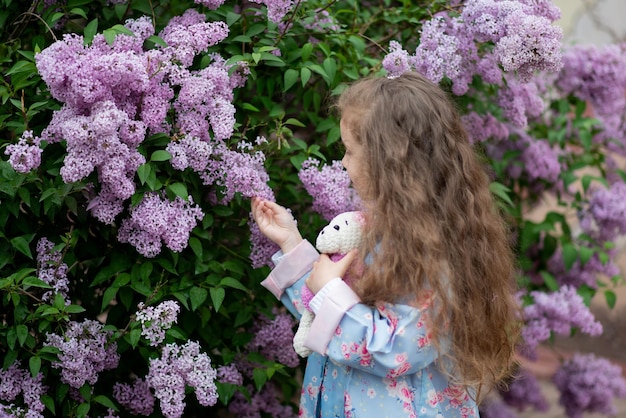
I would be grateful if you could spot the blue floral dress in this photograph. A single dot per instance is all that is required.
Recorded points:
(367, 361)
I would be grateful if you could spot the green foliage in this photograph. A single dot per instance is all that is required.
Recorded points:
(286, 99)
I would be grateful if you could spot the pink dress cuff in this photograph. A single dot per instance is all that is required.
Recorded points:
(291, 267)
(333, 308)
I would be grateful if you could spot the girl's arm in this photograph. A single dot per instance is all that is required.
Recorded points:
(289, 275)
(389, 340)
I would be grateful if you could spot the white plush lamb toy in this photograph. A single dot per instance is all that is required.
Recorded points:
(342, 234)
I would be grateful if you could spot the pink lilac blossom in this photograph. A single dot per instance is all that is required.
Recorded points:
(589, 384)
(190, 152)
(211, 4)
(155, 320)
(137, 397)
(229, 374)
(238, 172)
(605, 217)
(263, 401)
(276, 9)
(437, 55)
(322, 21)
(52, 270)
(524, 391)
(178, 367)
(396, 62)
(189, 34)
(273, 339)
(156, 221)
(557, 312)
(520, 101)
(261, 247)
(85, 350)
(495, 408)
(25, 156)
(14, 380)
(481, 128)
(329, 187)
(580, 274)
(596, 74)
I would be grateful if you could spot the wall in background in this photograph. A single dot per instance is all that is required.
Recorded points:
(592, 21)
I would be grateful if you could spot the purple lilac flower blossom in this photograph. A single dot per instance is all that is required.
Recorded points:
(396, 62)
(178, 367)
(85, 350)
(261, 247)
(137, 397)
(229, 374)
(582, 274)
(588, 384)
(52, 271)
(557, 312)
(265, 400)
(155, 320)
(329, 187)
(25, 156)
(495, 408)
(156, 220)
(605, 217)
(211, 4)
(273, 339)
(481, 128)
(276, 9)
(524, 391)
(519, 101)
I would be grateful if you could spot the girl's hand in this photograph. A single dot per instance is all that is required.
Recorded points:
(276, 223)
(324, 270)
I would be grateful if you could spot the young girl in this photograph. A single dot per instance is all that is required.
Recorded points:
(431, 325)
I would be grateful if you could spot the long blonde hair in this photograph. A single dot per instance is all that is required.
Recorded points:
(432, 223)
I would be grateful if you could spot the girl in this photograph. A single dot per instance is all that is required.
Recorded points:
(431, 325)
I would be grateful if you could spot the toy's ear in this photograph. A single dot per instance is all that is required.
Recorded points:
(359, 217)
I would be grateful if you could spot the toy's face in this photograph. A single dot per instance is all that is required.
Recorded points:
(341, 235)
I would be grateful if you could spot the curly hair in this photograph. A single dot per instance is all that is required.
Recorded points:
(432, 225)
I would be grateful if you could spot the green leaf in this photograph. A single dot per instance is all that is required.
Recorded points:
(550, 281)
(197, 296)
(234, 283)
(133, 337)
(160, 155)
(217, 297)
(21, 244)
(90, 31)
(22, 333)
(290, 78)
(83, 410)
(307, 49)
(34, 364)
(143, 171)
(35, 282)
(196, 246)
(500, 190)
(570, 255)
(305, 75)
(260, 377)
(611, 298)
(103, 400)
(179, 189)
(157, 40)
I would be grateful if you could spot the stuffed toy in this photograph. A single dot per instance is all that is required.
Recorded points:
(342, 234)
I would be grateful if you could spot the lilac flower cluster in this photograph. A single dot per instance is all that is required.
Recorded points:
(557, 312)
(114, 95)
(136, 398)
(264, 401)
(238, 172)
(496, 408)
(156, 320)
(229, 374)
(261, 247)
(519, 101)
(589, 384)
(481, 128)
(16, 380)
(211, 4)
(329, 187)
(596, 74)
(523, 37)
(157, 220)
(26, 154)
(273, 339)
(276, 9)
(52, 270)
(178, 367)
(581, 274)
(85, 350)
(190, 152)
(605, 217)
(525, 391)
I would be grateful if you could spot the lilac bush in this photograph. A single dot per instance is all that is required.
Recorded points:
(135, 133)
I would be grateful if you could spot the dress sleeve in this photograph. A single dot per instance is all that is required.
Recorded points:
(388, 340)
(289, 274)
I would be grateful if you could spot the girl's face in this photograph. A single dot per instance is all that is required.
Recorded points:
(353, 160)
